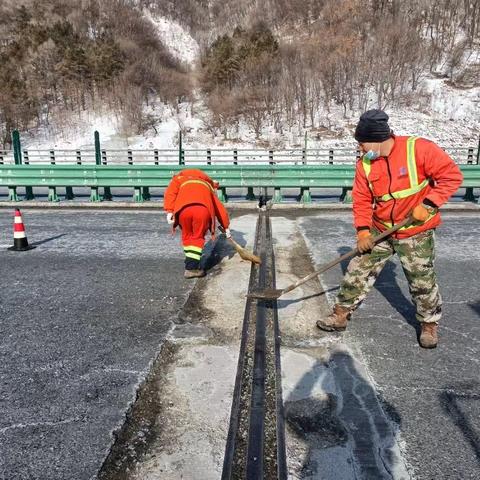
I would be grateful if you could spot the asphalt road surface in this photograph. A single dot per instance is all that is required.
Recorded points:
(82, 318)
(433, 396)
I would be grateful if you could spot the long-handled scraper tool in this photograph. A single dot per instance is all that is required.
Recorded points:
(273, 294)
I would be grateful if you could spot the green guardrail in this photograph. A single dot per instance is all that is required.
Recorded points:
(141, 178)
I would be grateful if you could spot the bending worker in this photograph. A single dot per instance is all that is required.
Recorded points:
(395, 177)
(191, 202)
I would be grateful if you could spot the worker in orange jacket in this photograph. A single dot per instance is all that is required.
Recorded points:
(191, 202)
(396, 177)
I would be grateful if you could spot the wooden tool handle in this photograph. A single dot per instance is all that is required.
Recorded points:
(346, 256)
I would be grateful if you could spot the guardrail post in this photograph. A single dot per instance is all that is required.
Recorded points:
(235, 157)
(478, 152)
(155, 157)
(94, 195)
(17, 148)
(469, 196)
(270, 157)
(69, 190)
(12, 194)
(346, 196)
(28, 190)
(137, 196)
(277, 195)
(305, 195)
(330, 157)
(69, 193)
(146, 193)
(2, 152)
(130, 157)
(107, 193)
(52, 191)
(304, 151)
(17, 156)
(98, 153)
(181, 153)
(250, 194)
(52, 194)
(209, 157)
(222, 194)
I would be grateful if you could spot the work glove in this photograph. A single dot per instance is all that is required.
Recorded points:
(228, 234)
(421, 212)
(170, 218)
(364, 241)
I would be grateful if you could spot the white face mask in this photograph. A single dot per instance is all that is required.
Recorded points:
(371, 155)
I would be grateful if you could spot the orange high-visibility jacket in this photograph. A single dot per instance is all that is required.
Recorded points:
(191, 187)
(386, 190)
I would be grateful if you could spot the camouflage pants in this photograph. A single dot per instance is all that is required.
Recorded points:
(416, 255)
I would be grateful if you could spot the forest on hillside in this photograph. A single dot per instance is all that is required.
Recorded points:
(63, 56)
(275, 62)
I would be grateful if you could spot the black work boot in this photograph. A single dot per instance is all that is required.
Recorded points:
(336, 321)
(428, 335)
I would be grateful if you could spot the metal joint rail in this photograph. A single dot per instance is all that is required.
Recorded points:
(255, 447)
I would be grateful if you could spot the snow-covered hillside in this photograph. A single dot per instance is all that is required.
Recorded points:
(180, 43)
(447, 115)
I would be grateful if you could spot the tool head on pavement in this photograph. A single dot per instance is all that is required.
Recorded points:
(243, 252)
(267, 294)
(273, 294)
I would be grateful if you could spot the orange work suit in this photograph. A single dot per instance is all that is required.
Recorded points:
(192, 198)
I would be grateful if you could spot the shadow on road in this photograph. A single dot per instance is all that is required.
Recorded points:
(475, 307)
(388, 286)
(344, 429)
(451, 404)
(285, 303)
(215, 251)
(46, 240)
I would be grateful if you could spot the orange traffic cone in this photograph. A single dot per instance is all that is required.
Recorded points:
(20, 242)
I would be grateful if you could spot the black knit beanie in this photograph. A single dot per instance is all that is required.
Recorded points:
(373, 127)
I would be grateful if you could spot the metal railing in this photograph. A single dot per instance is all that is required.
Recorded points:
(199, 157)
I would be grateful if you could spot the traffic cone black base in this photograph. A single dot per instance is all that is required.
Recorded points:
(19, 248)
